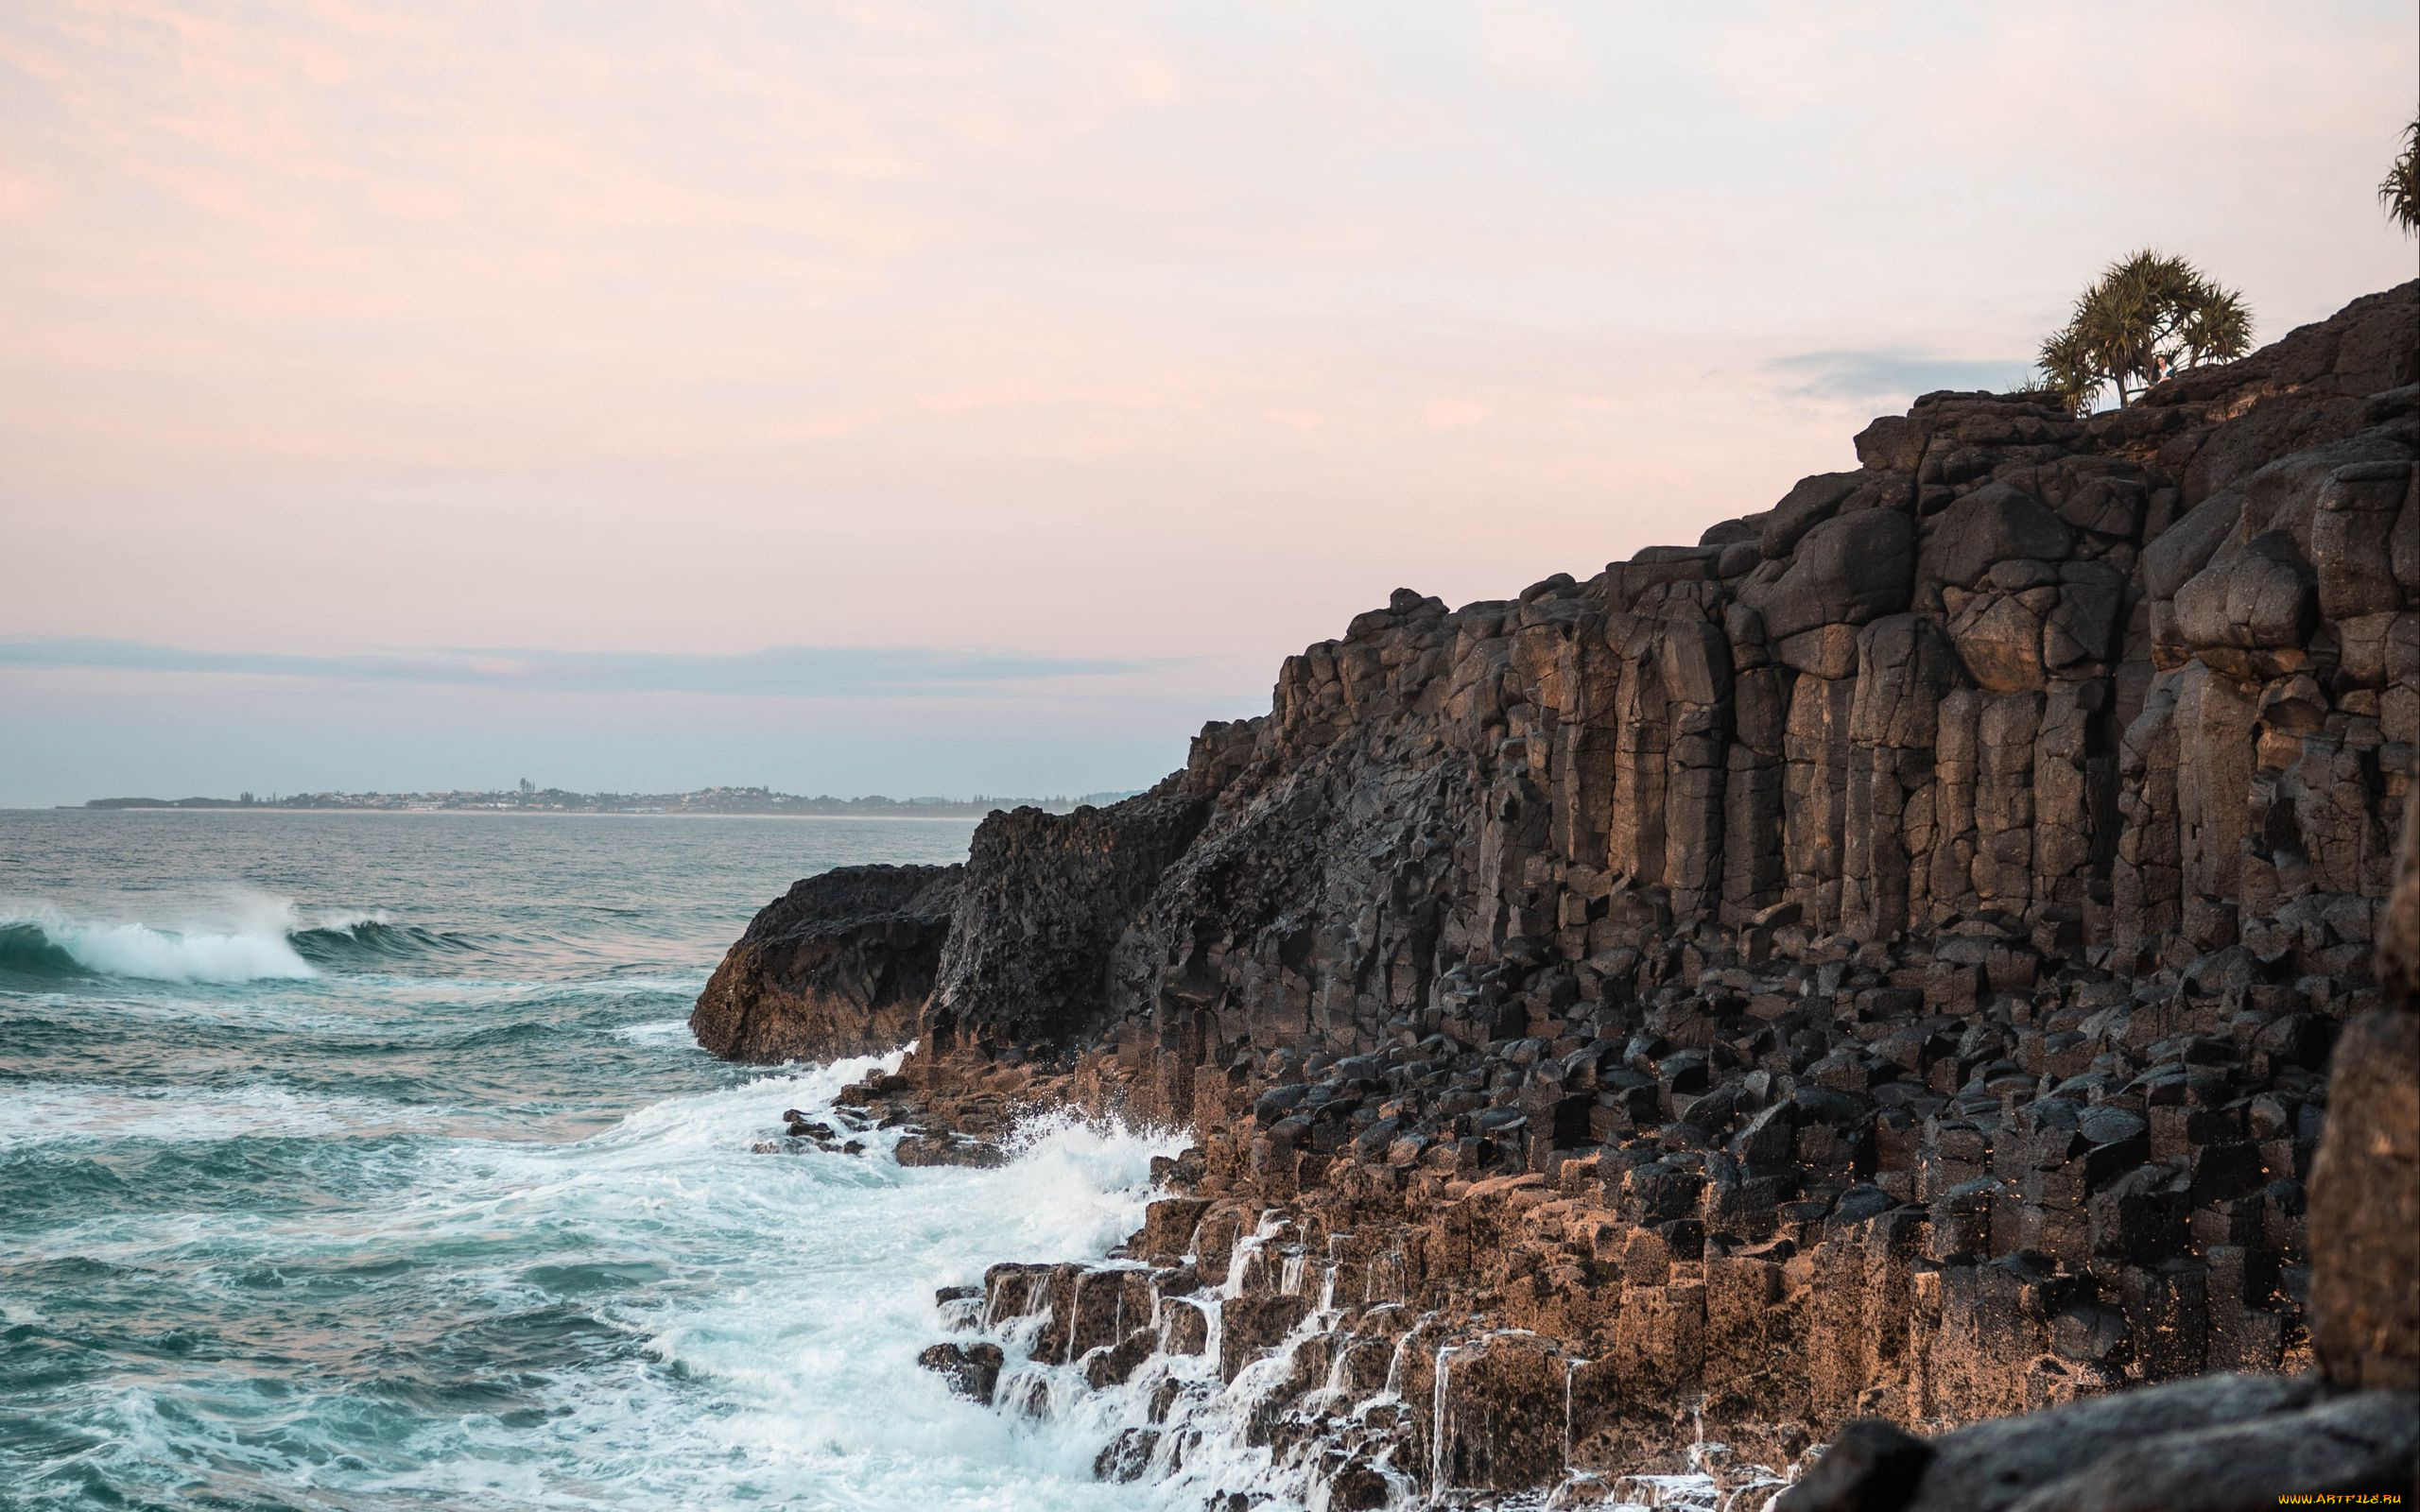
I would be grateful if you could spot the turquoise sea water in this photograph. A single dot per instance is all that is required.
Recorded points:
(365, 1162)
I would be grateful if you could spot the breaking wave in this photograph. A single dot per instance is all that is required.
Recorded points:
(271, 941)
(448, 1210)
(362, 938)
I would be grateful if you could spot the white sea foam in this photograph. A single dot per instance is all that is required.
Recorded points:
(354, 1256)
(657, 1029)
(52, 1112)
(798, 1292)
(254, 947)
(627, 987)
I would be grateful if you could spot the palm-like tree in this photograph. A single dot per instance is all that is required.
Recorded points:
(2400, 191)
(2147, 317)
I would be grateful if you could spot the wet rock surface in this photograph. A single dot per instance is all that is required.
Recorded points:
(1880, 965)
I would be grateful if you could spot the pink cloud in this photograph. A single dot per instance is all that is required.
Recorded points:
(1188, 332)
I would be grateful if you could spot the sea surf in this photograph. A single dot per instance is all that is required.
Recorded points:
(365, 1162)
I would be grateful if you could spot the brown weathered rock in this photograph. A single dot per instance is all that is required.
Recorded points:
(841, 965)
(2365, 1183)
(942, 1148)
(972, 1370)
(2399, 927)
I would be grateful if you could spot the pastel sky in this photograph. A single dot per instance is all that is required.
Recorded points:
(944, 399)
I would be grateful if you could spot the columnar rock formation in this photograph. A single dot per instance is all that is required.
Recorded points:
(2233, 1443)
(1881, 960)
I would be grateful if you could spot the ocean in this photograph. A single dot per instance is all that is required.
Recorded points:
(365, 1161)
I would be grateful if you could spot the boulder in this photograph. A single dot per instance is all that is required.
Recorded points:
(1809, 504)
(2259, 596)
(841, 965)
(1996, 1466)
(972, 1370)
(1993, 525)
(1999, 639)
(1845, 570)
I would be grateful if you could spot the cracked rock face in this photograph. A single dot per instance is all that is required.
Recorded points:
(841, 965)
(1882, 961)
(2365, 1199)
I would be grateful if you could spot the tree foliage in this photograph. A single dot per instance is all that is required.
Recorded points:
(2400, 191)
(2147, 317)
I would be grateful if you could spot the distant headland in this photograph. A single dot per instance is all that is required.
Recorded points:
(528, 799)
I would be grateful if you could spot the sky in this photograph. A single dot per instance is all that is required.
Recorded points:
(957, 399)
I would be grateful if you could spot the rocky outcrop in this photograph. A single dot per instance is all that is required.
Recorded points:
(841, 965)
(1046, 899)
(1881, 961)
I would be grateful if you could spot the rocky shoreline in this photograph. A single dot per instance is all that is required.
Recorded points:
(1871, 972)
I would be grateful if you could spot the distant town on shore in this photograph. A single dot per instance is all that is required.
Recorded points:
(527, 797)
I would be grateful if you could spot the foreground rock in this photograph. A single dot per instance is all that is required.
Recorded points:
(1882, 962)
(2220, 1443)
(841, 965)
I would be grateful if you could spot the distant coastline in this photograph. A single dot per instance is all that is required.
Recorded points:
(526, 799)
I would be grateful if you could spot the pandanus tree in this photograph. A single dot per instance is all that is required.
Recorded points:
(2147, 317)
(2400, 190)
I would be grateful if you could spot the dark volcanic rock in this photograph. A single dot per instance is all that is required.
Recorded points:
(1882, 962)
(1995, 524)
(2357, 1447)
(924, 1148)
(1870, 1467)
(841, 965)
(1046, 895)
(2230, 1443)
(1845, 570)
(2220, 1444)
(972, 1370)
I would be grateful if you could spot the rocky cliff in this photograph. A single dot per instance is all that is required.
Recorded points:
(841, 965)
(1880, 961)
